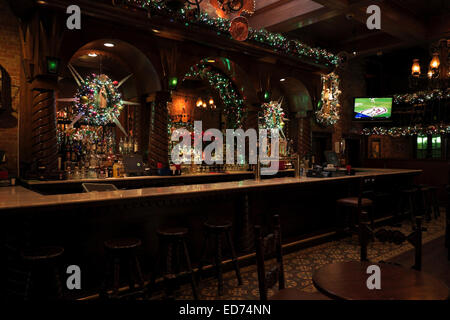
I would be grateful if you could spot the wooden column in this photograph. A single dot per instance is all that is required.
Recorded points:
(304, 144)
(43, 127)
(158, 145)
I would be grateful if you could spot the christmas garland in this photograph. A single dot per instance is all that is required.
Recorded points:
(422, 96)
(273, 117)
(328, 107)
(98, 100)
(407, 131)
(276, 41)
(232, 100)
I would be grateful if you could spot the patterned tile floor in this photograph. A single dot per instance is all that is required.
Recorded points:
(300, 265)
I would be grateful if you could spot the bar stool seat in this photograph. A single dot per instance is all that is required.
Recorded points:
(218, 224)
(125, 243)
(295, 294)
(353, 202)
(172, 232)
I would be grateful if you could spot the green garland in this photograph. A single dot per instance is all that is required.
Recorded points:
(422, 96)
(273, 115)
(407, 131)
(275, 41)
(232, 100)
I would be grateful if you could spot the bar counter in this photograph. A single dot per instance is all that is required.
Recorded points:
(20, 197)
(82, 222)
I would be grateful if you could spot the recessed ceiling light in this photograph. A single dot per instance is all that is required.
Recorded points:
(156, 31)
(354, 53)
(283, 79)
(41, 2)
(109, 45)
(92, 54)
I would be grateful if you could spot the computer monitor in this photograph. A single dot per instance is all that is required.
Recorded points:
(133, 164)
(91, 187)
(332, 158)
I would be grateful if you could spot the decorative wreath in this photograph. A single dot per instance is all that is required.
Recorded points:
(328, 107)
(98, 99)
(273, 115)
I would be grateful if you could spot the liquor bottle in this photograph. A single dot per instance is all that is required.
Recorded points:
(136, 146)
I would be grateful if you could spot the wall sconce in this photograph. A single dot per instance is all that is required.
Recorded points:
(415, 70)
(173, 82)
(435, 62)
(52, 65)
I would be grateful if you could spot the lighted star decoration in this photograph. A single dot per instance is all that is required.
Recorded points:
(98, 99)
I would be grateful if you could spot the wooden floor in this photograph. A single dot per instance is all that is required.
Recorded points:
(435, 262)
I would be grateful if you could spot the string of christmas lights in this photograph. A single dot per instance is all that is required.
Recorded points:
(328, 107)
(276, 41)
(407, 131)
(422, 96)
(232, 100)
(98, 100)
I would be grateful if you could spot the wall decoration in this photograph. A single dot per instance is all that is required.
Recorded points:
(328, 109)
(375, 149)
(273, 115)
(239, 28)
(98, 100)
(276, 41)
(231, 98)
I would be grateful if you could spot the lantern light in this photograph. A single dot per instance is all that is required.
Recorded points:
(415, 70)
(435, 62)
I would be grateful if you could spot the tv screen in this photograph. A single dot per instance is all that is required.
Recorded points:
(373, 108)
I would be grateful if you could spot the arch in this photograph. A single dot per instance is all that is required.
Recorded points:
(297, 96)
(7, 120)
(144, 72)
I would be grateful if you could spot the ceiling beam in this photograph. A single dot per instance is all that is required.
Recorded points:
(304, 20)
(282, 11)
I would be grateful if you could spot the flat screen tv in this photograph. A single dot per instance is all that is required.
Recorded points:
(372, 109)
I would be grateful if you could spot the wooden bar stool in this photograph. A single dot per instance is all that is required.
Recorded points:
(122, 252)
(359, 202)
(407, 206)
(173, 247)
(218, 229)
(424, 202)
(39, 262)
(434, 201)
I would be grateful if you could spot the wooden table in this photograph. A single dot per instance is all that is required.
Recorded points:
(347, 280)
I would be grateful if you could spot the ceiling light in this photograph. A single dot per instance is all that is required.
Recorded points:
(92, 54)
(109, 45)
(156, 31)
(283, 79)
(415, 69)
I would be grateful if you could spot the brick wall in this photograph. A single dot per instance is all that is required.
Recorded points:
(10, 56)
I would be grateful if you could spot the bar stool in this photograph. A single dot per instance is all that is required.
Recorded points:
(407, 203)
(120, 252)
(172, 245)
(423, 201)
(359, 202)
(218, 229)
(434, 201)
(39, 261)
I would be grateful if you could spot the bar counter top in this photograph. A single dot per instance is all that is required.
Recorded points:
(19, 197)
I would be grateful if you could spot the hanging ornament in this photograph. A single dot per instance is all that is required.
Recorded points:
(239, 28)
(328, 108)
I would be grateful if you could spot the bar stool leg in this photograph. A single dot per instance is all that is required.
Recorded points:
(130, 273)
(203, 255)
(435, 204)
(218, 263)
(412, 210)
(116, 277)
(233, 257)
(191, 272)
(58, 282)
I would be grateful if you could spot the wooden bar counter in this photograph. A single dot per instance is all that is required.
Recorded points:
(81, 222)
